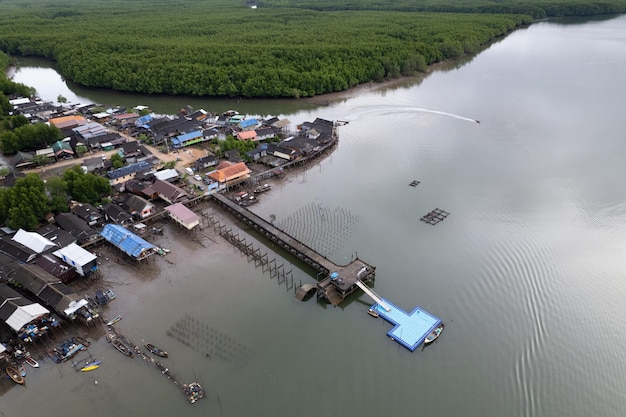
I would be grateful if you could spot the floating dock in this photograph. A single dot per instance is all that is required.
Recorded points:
(409, 329)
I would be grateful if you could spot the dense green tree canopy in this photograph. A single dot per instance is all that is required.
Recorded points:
(283, 48)
(217, 48)
(86, 188)
(25, 204)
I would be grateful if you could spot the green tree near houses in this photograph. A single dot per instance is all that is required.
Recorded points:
(56, 189)
(25, 204)
(117, 161)
(86, 188)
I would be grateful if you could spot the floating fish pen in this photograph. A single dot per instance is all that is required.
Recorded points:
(435, 216)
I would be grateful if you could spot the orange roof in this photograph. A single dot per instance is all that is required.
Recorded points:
(247, 134)
(68, 121)
(230, 173)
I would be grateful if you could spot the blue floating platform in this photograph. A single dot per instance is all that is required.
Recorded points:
(409, 329)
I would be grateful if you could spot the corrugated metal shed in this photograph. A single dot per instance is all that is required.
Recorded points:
(127, 241)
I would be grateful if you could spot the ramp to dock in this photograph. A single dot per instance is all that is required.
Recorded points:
(367, 290)
(410, 329)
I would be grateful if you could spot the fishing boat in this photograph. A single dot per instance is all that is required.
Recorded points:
(156, 350)
(31, 361)
(113, 321)
(262, 188)
(88, 368)
(119, 345)
(432, 336)
(14, 374)
(194, 391)
(372, 312)
(22, 369)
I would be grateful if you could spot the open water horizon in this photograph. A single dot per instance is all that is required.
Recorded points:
(528, 269)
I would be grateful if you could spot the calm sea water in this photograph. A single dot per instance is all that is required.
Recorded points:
(528, 269)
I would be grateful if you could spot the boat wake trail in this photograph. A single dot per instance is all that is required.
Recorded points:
(359, 112)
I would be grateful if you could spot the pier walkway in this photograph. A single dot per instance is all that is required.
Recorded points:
(337, 280)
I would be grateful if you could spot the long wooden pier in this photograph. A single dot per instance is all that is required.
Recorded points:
(337, 281)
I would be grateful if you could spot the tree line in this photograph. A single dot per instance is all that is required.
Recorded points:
(215, 48)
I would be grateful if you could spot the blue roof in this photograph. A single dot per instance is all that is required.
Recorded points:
(248, 122)
(190, 135)
(129, 169)
(127, 241)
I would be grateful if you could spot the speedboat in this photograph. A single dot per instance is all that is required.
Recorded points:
(31, 361)
(432, 336)
(113, 321)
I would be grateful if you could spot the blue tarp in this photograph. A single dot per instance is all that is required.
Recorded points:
(127, 241)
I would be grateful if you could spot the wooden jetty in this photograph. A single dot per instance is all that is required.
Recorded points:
(336, 281)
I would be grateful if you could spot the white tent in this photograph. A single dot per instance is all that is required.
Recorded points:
(25, 314)
(33, 241)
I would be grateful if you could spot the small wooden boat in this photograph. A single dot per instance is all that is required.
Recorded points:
(14, 374)
(372, 312)
(31, 361)
(88, 368)
(119, 345)
(432, 336)
(155, 350)
(113, 321)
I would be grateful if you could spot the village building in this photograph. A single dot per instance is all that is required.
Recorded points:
(138, 207)
(83, 261)
(16, 250)
(169, 192)
(33, 241)
(230, 174)
(52, 292)
(62, 150)
(183, 216)
(247, 135)
(116, 214)
(68, 122)
(56, 267)
(21, 315)
(127, 241)
(168, 175)
(76, 226)
(205, 162)
(91, 215)
(57, 235)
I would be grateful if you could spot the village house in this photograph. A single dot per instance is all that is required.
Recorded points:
(169, 192)
(88, 213)
(183, 216)
(113, 213)
(137, 206)
(76, 226)
(84, 262)
(205, 162)
(228, 174)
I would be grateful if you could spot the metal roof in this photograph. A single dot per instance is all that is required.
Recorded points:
(127, 241)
